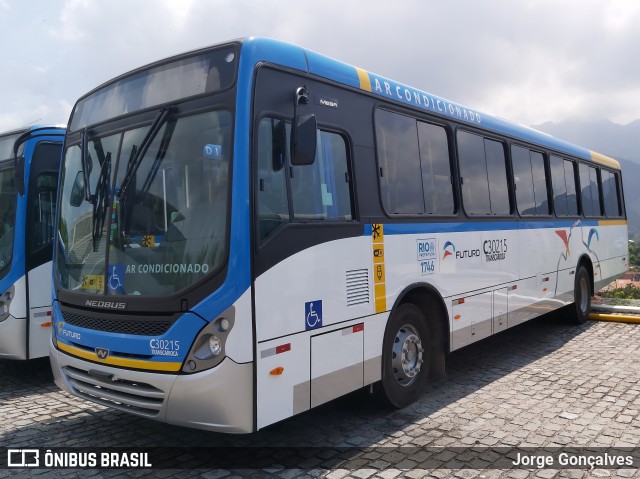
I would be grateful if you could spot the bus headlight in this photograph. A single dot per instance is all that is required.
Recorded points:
(215, 345)
(208, 348)
(5, 302)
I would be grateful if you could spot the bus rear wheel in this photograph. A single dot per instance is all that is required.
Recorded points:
(406, 356)
(582, 295)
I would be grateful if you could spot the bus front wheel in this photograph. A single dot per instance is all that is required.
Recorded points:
(406, 356)
(582, 295)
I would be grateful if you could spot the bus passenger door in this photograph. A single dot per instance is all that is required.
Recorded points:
(41, 201)
(312, 262)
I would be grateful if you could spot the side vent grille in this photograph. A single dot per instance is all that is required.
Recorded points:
(357, 287)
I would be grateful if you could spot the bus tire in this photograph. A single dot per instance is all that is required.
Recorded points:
(581, 295)
(406, 356)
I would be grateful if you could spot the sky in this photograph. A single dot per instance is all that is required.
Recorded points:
(529, 61)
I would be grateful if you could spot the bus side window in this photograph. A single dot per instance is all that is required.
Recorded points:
(531, 181)
(570, 179)
(610, 194)
(485, 189)
(399, 163)
(436, 169)
(320, 191)
(564, 186)
(271, 192)
(473, 170)
(43, 211)
(590, 190)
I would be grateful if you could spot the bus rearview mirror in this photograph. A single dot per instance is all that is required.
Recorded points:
(77, 190)
(303, 140)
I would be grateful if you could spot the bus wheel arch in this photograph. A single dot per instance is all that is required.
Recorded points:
(585, 261)
(415, 344)
(583, 290)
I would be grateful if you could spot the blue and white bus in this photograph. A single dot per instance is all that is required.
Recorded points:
(29, 164)
(250, 230)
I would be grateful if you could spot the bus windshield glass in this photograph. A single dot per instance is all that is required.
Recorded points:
(8, 197)
(168, 229)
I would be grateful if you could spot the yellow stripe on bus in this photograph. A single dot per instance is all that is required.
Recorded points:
(115, 361)
(379, 280)
(604, 160)
(365, 81)
(612, 222)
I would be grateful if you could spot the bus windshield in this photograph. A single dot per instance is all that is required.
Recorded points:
(167, 229)
(8, 197)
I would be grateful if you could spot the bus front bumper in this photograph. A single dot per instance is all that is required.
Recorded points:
(219, 399)
(13, 338)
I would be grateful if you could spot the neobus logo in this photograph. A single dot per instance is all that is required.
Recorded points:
(102, 353)
(94, 303)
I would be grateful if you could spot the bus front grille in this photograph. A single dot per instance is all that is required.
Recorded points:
(134, 397)
(138, 327)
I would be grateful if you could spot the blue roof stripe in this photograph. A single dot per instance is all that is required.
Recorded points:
(328, 68)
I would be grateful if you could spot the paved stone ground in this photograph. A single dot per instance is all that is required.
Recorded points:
(545, 383)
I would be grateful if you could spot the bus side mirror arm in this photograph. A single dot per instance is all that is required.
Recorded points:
(303, 136)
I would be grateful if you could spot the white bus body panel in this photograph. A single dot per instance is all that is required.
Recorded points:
(320, 275)
(489, 281)
(18, 307)
(13, 330)
(39, 310)
(237, 347)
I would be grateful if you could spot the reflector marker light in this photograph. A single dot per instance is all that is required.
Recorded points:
(353, 329)
(283, 348)
(276, 371)
(457, 301)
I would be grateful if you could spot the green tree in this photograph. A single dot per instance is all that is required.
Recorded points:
(628, 292)
(634, 254)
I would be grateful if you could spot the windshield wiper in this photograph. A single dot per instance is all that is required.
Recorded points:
(138, 154)
(101, 198)
(84, 158)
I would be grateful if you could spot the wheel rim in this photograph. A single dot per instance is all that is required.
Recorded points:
(407, 355)
(584, 295)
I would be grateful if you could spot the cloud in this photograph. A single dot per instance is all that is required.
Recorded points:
(529, 61)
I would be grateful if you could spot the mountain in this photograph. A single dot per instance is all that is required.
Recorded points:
(621, 142)
(603, 136)
(630, 182)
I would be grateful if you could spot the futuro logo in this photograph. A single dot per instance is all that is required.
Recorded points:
(449, 249)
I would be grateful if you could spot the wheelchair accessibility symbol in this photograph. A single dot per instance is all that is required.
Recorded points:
(313, 314)
(116, 278)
